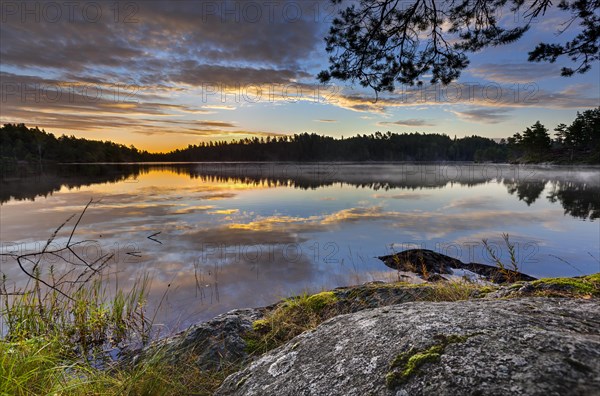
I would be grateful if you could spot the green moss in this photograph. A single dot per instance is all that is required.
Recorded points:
(260, 324)
(431, 355)
(594, 278)
(516, 285)
(401, 359)
(408, 364)
(577, 286)
(252, 345)
(487, 289)
(318, 301)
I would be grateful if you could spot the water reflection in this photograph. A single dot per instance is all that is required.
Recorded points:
(527, 191)
(577, 190)
(20, 186)
(578, 199)
(236, 235)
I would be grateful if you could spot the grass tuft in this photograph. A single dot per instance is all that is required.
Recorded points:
(59, 333)
(510, 271)
(290, 318)
(453, 291)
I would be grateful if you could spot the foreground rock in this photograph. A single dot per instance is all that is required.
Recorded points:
(432, 265)
(222, 343)
(525, 346)
(212, 345)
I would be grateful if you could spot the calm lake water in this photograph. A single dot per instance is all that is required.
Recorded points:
(240, 235)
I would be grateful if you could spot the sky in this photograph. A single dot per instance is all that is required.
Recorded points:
(165, 74)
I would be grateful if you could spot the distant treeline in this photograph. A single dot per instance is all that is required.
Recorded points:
(375, 147)
(578, 142)
(20, 143)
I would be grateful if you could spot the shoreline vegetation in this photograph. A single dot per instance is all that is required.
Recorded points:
(578, 143)
(198, 360)
(66, 333)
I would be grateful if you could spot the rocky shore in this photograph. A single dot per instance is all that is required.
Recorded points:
(529, 346)
(538, 337)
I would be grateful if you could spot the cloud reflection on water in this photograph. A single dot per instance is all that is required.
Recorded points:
(231, 239)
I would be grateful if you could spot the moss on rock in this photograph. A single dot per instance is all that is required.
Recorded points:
(594, 278)
(317, 302)
(292, 316)
(259, 324)
(408, 364)
(587, 285)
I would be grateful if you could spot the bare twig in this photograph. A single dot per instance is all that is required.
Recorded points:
(151, 237)
(36, 257)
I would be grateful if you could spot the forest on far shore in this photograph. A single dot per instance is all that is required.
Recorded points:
(578, 142)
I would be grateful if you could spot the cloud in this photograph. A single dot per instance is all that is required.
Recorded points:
(36, 101)
(481, 202)
(163, 50)
(198, 111)
(169, 52)
(495, 238)
(211, 133)
(219, 124)
(230, 235)
(219, 107)
(516, 72)
(428, 225)
(406, 195)
(353, 215)
(483, 115)
(193, 209)
(225, 211)
(159, 34)
(214, 78)
(497, 97)
(407, 122)
(424, 225)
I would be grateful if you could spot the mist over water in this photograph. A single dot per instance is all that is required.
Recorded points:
(247, 234)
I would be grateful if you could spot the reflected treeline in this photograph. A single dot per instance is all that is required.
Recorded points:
(578, 191)
(375, 176)
(578, 199)
(25, 184)
(527, 191)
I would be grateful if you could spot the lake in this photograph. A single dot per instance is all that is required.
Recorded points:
(218, 236)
